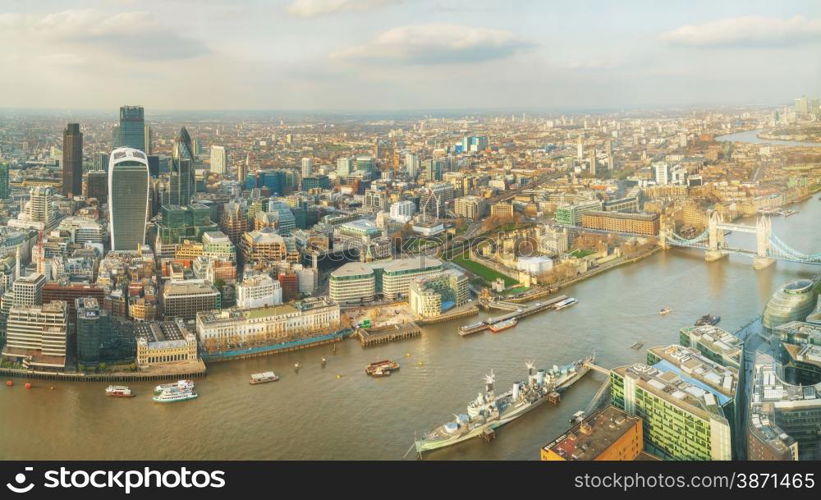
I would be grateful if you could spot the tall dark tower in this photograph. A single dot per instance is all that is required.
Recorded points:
(131, 132)
(72, 160)
(182, 171)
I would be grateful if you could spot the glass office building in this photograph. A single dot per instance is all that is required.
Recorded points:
(4, 181)
(792, 302)
(131, 132)
(128, 185)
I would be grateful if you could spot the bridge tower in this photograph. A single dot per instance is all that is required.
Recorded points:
(763, 233)
(715, 238)
(666, 227)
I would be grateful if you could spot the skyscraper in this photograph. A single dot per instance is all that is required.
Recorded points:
(101, 162)
(28, 290)
(412, 164)
(367, 166)
(4, 181)
(593, 162)
(39, 207)
(72, 160)
(307, 167)
(343, 166)
(662, 171)
(154, 166)
(243, 168)
(128, 183)
(610, 161)
(182, 170)
(97, 186)
(149, 135)
(234, 220)
(131, 133)
(219, 159)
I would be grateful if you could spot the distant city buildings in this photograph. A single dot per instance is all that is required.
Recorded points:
(402, 211)
(571, 214)
(470, 207)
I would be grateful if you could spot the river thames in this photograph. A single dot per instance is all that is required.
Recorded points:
(337, 412)
(752, 136)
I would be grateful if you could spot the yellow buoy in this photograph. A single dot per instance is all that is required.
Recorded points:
(338, 375)
(407, 354)
(420, 363)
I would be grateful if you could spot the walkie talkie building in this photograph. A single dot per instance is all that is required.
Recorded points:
(128, 185)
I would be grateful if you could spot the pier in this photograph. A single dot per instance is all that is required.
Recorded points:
(385, 334)
(595, 367)
(195, 371)
(267, 350)
(516, 311)
(463, 312)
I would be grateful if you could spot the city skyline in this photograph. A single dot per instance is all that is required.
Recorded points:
(601, 216)
(378, 55)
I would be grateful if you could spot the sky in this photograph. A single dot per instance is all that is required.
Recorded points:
(377, 55)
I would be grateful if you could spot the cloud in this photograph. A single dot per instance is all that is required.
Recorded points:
(436, 44)
(315, 8)
(134, 35)
(594, 64)
(752, 31)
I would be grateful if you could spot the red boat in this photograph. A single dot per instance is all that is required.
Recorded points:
(118, 391)
(503, 325)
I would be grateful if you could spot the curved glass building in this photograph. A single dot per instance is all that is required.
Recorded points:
(128, 180)
(792, 302)
(182, 171)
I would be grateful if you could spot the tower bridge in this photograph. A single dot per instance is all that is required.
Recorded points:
(769, 247)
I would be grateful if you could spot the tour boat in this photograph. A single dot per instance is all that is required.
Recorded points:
(118, 391)
(503, 325)
(570, 301)
(262, 378)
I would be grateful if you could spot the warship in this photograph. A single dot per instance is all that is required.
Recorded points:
(490, 411)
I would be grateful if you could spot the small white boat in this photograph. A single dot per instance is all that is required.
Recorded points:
(570, 301)
(262, 378)
(184, 385)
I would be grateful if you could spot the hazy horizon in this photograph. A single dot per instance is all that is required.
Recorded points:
(370, 56)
